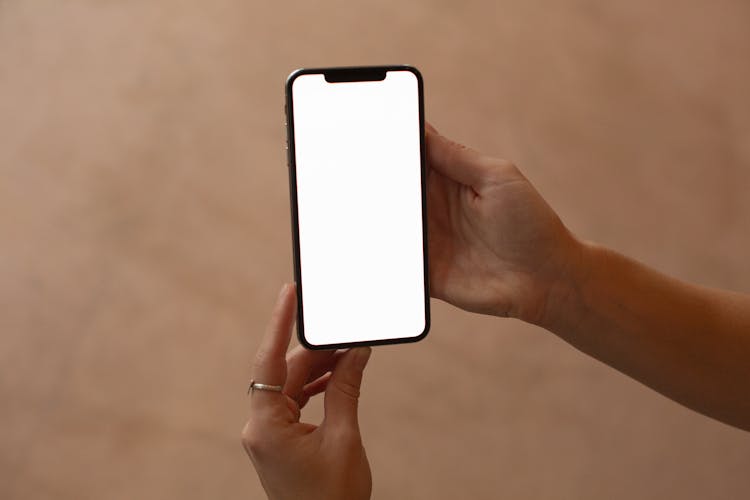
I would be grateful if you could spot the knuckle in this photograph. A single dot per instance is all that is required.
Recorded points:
(456, 150)
(348, 388)
(507, 167)
(499, 164)
(500, 171)
(253, 441)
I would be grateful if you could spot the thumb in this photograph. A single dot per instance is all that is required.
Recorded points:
(342, 392)
(455, 161)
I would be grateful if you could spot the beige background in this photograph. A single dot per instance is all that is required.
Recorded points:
(144, 233)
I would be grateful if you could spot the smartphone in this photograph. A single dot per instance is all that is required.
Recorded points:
(356, 158)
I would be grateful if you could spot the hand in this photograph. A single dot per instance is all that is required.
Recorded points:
(495, 246)
(299, 460)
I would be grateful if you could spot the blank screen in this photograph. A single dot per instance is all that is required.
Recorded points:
(359, 201)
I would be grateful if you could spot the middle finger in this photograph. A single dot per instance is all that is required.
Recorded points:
(305, 366)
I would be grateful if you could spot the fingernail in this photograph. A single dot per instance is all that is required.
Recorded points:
(283, 289)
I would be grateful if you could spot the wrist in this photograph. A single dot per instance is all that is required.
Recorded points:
(563, 291)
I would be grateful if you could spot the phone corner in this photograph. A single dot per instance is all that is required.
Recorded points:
(426, 330)
(414, 71)
(305, 343)
(293, 76)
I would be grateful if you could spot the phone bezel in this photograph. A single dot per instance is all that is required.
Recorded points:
(350, 73)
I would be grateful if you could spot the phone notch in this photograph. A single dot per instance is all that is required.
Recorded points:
(356, 74)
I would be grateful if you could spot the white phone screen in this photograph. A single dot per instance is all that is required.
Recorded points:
(359, 206)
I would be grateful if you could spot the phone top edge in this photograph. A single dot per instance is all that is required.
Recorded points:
(322, 70)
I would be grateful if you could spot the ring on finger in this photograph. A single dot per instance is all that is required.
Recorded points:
(263, 387)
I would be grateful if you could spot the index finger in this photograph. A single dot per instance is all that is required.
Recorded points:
(270, 361)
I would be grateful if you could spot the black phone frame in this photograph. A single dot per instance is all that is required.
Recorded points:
(351, 74)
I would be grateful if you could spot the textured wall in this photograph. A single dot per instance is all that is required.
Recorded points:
(144, 233)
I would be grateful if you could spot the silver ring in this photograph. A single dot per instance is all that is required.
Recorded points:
(263, 387)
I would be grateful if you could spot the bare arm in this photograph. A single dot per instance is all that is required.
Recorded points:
(690, 343)
(497, 247)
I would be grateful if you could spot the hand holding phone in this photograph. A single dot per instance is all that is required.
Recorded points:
(298, 459)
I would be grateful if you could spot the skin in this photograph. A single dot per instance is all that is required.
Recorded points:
(496, 247)
(295, 459)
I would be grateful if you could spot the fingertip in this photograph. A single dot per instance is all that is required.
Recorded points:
(289, 287)
(454, 160)
(357, 357)
(360, 356)
(288, 291)
(363, 355)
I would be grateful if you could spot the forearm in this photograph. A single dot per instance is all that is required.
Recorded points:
(690, 343)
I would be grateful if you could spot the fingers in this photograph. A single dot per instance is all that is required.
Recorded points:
(270, 360)
(342, 391)
(313, 388)
(304, 365)
(454, 160)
